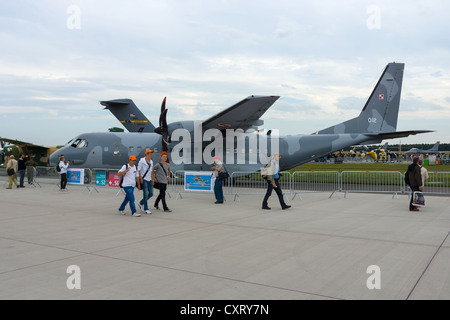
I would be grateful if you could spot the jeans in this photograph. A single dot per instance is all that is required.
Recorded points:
(277, 190)
(218, 190)
(148, 193)
(129, 197)
(22, 176)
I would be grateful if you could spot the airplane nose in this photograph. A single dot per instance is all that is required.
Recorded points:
(53, 159)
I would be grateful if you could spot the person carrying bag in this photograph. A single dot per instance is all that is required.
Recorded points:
(221, 174)
(160, 179)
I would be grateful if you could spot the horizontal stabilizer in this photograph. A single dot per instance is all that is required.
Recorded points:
(396, 134)
(129, 115)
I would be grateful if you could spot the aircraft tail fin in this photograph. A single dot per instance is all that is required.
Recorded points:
(380, 113)
(435, 147)
(129, 115)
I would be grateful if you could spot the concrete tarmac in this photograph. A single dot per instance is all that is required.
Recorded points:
(321, 248)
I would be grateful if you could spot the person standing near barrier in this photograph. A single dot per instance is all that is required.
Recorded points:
(273, 178)
(218, 184)
(11, 165)
(130, 176)
(31, 166)
(22, 167)
(423, 172)
(63, 165)
(145, 176)
(161, 177)
(415, 181)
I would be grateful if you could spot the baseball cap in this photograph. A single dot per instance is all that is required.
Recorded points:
(132, 157)
(149, 151)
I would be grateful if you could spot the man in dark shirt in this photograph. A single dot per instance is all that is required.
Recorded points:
(22, 168)
(415, 181)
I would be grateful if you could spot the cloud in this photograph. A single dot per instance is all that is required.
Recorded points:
(320, 57)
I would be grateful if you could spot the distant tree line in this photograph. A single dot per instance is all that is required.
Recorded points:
(405, 147)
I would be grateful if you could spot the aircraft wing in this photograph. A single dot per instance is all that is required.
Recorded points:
(243, 115)
(17, 142)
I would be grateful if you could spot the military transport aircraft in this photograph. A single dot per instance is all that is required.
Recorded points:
(40, 154)
(205, 139)
(434, 149)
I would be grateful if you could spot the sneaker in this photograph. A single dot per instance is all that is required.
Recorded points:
(156, 207)
(141, 207)
(136, 214)
(148, 212)
(414, 209)
(167, 210)
(122, 212)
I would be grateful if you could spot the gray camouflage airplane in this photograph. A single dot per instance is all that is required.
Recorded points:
(434, 149)
(376, 122)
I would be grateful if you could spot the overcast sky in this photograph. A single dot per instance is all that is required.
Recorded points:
(59, 58)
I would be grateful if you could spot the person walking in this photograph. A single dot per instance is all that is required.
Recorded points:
(22, 167)
(415, 181)
(273, 178)
(423, 172)
(218, 183)
(161, 176)
(130, 177)
(63, 165)
(11, 169)
(145, 176)
(31, 167)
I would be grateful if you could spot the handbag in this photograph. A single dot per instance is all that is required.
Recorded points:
(419, 199)
(265, 170)
(223, 175)
(156, 185)
(10, 171)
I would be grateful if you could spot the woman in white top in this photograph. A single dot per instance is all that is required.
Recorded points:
(63, 165)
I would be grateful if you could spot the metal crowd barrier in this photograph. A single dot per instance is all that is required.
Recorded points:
(250, 183)
(372, 181)
(315, 181)
(437, 183)
(297, 183)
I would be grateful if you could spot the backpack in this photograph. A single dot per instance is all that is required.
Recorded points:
(121, 177)
(407, 178)
(58, 168)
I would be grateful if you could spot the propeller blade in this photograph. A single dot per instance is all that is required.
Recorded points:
(163, 105)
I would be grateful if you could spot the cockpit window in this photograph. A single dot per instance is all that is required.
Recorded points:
(79, 143)
(82, 144)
